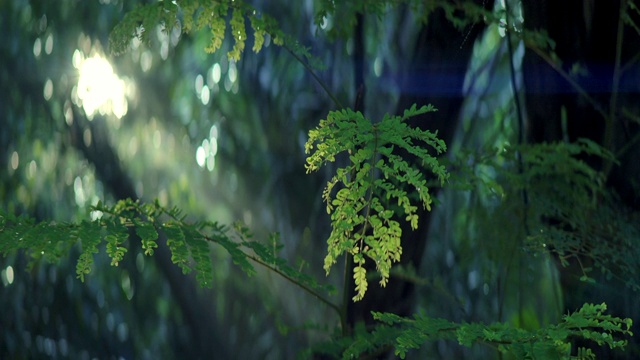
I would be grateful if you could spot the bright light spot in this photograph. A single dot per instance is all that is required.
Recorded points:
(216, 73)
(95, 215)
(206, 152)
(377, 66)
(204, 95)
(200, 156)
(198, 84)
(146, 61)
(7, 276)
(211, 163)
(205, 147)
(326, 23)
(99, 88)
(37, 47)
(79, 191)
(213, 146)
(48, 89)
(77, 59)
(15, 160)
(48, 45)
(233, 72)
(31, 169)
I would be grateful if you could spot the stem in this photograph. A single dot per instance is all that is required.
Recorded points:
(627, 146)
(300, 285)
(313, 74)
(346, 294)
(570, 80)
(525, 196)
(610, 120)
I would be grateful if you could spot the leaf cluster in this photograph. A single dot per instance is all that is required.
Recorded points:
(343, 13)
(567, 212)
(196, 15)
(362, 225)
(551, 342)
(189, 242)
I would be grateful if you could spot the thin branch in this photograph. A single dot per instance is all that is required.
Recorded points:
(293, 281)
(627, 146)
(315, 76)
(615, 86)
(569, 79)
(630, 63)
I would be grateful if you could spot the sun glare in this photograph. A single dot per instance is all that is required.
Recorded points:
(100, 90)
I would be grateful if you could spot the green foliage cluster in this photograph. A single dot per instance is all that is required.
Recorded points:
(343, 14)
(568, 212)
(195, 15)
(362, 225)
(189, 242)
(551, 342)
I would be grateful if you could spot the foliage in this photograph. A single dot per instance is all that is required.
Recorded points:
(361, 225)
(189, 242)
(568, 212)
(342, 15)
(562, 207)
(195, 15)
(550, 342)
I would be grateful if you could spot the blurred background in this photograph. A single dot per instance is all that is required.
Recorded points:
(224, 141)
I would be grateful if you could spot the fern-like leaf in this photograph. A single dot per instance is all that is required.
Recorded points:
(361, 225)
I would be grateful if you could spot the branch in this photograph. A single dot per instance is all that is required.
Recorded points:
(569, 79)
(293, 281)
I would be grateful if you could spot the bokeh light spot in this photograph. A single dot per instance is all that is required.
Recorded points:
(7, 276)
(37, 47)
(48, 45)
(216, 73)
(200, 156)
(204, 95)
(48, 89)
(15, 160)
(99, 88)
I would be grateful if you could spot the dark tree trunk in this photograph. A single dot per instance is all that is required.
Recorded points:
(434, 75)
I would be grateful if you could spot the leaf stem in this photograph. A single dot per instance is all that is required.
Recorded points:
(297, 283)
(315, 76)
(569, 79)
